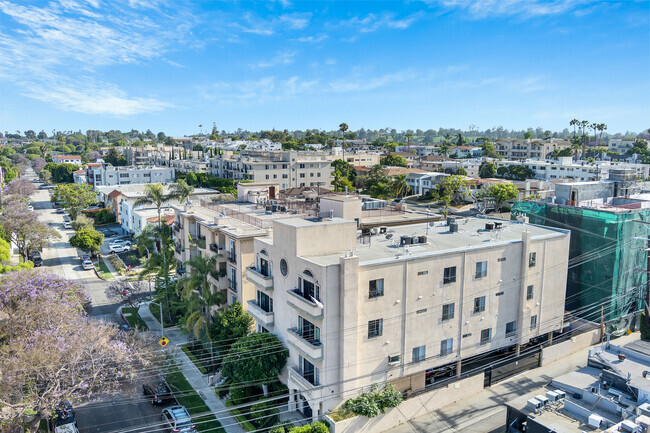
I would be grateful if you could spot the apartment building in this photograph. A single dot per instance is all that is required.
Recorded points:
(106, 175)
(404, 305)
(620, 145)
(514, 149)
(67, 159)
(191, 165)
(566, 168)
(199, 230)
(288, 168)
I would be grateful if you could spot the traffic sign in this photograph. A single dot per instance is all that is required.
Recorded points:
(163, 341)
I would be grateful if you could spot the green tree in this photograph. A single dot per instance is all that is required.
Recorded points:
(73, 197)
(61, 173)
(381, 190)
(528, 135)
(443, 148)
(114, 158)
(5, 251)
(343, 127)
(88, 240)
(451, 189)
(399, 186)
(393, 160)
(501, 193)
(82, 223)
(196, 289)
(520, 172)
(461, 171)
(229, 325)
(256, 358)
(487, 170)
(489, 150)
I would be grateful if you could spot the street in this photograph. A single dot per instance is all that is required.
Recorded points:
(130, 410)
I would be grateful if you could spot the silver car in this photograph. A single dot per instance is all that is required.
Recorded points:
(177, 419)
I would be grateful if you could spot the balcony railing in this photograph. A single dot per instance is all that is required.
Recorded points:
(259, 279)
(298, 381)
(214, 248)
(232, 257)
(200, 242)
(178, 227)
(264, 318)
(304, 304)
(311, 347)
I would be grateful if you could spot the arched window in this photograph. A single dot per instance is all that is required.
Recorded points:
(308, 273)
(263, 252)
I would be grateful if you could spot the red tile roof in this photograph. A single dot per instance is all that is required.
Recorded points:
(167, 219)
(115, 194)
(67, 156)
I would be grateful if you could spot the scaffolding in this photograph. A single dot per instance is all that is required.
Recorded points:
(607, 257)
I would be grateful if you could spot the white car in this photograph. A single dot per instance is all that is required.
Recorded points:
(66, 225)
(119, 248)
(30, 208)
(87, 264)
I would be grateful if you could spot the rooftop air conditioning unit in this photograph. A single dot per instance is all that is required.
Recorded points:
(533, 404)
(542, 399)
(560, 393)
(552, 396)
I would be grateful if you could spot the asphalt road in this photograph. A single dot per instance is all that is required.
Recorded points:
(120, 416)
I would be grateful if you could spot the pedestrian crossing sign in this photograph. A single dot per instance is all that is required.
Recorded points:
(163, 341)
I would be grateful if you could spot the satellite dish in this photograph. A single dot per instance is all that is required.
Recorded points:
(431, 224)
(389, 236)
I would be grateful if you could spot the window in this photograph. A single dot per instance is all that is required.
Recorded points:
(501, 259)
(532, 259)
(529, 292)
(486, 335)
(448, 311)
(424, 310)
(479, 304)
(318, 174)
(511, 328)
(308, 330)
(265, 302)
(423, 273)
(481, 269)
(376, 288)
(533, 322)
(308, 371)
(450, 275)
(285, 176)
(375, 328)
(393, 359)
(499, 294)
(302, 165)
(419, 354)
(302, 174)
(446, 346)
(311, 174)
(283, 267)
(267, 176)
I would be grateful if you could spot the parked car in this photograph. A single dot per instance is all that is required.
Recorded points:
(87, 264)
(30, 207)
(67, 225)
(177, 419)
(35, 257)
(64, 420)
(120, 241)
(119, 248)
(158, 390)
(84, 258)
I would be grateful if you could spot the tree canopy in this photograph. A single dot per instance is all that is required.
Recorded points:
(88, 240)
(501, 193)
(256, 358)
(393, 160)
(74, 197)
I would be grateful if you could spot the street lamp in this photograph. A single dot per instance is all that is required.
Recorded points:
(162, 327)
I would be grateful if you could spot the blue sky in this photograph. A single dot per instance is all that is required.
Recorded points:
(172, 65)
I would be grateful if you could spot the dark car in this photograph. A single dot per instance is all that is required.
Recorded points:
(158, 390)
(35, 257)
(63, 414)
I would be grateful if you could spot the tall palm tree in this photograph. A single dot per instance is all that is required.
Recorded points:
(155, 195)
(594, 127)
(574, 123)
(601, 127)
(444, 147)
(343, 127)
(408, 141)
(196, 289)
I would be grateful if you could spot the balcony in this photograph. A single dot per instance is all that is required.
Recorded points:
(214, 248)
(307, 306)
(200, 241)
(259, 279)
(232, 257)
(178, 248)
(213, 278)
(178, 227)
(297, 380)
(313, 349)
(263, 318)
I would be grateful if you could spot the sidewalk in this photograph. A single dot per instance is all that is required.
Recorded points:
(192, 374)
(486, 411)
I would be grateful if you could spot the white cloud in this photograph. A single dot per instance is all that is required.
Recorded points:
(267, 27)
(374, 22)
(263, 90)
(480, 9)
(285, 58)
(48, 48)
(330, 61)
(365, 83)
(313, 39)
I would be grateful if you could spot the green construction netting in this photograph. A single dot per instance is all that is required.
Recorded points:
(607, 257)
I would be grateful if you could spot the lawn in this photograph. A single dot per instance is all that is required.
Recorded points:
(134, 319)
(195, 405)
(103, 270)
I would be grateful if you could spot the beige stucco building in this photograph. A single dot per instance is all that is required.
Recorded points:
(519, 150)
(357, 310)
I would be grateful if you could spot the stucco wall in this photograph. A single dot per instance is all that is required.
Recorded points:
(570, 346)
(411, 408)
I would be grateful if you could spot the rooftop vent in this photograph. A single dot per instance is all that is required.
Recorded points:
(453, 228)
(489, 226)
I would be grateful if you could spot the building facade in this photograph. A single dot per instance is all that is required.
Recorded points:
(288, 168)
(355, 312)
(106, 175)
(518, 150)
(67, 159)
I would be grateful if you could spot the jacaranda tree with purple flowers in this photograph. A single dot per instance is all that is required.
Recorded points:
(51, 351)
(23, 226)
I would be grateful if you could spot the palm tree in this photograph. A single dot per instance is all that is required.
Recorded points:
(444, 147)
(408, 141)
(181, 191)
(574, 123)
(153, 194)
(343, 127)
(594, 127)
(601, 127)
(399, 186)
(196, 289)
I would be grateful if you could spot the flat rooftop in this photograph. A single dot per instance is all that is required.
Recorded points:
(233, 226)
(134, 190)
(439, 240)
